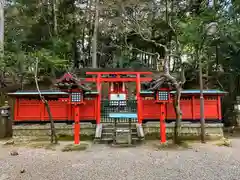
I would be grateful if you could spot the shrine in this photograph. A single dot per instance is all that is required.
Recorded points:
(120, 117)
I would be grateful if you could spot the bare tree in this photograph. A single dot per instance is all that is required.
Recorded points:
(54, 16)
(1, 30)
(2, 74)
(95, 36)
(137, 22)
(54, 138)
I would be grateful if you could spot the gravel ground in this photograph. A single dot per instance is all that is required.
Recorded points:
(101, 162)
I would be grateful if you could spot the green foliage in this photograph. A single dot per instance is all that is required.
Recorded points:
(49, 63)
(129, 35)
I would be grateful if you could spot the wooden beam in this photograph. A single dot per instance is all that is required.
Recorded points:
(118, 79)
(118, 73)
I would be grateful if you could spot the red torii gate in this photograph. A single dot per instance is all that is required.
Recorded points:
(138, 79)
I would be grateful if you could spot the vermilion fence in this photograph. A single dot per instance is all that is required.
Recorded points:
(62, 110)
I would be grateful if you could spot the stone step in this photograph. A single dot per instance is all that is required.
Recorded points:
(111, 129)
(122, 130)
(111, 139)
(107, 139)
(111, 125)
(109, 133)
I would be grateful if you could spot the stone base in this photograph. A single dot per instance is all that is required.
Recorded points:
(188, 130)
(63, 131)
(87, 130)
(122, 137)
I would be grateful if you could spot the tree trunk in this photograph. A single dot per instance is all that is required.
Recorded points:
(94, 39)
(75, 57)
(53, 130)
(177, 108)
(215, 4)
(90, 27)
(54, 16)
(177, 86)
(177, 127)
(83, 57)
(1, 30)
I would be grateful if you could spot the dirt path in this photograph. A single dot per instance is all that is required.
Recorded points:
(201, 162)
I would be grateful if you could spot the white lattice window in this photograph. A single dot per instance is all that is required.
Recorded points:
(163, 96)
(76, 97)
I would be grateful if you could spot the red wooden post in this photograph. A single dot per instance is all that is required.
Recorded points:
(76, 125)
(193, 108)
(139, 106)
(69, 112)
(162, 124)
(98, 99)
(219, 107)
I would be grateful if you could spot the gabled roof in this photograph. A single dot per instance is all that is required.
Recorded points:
(66, 77)
(197, 91)
(35, 92)
(69, 78)
(44, 92)
(191, 91)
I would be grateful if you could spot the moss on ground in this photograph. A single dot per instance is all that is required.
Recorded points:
(172, 146)
(75, 147)
(155, 136)
(224, 142)
(65, 137)
(61, 137)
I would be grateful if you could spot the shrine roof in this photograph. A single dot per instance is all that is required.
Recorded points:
(146, 92)
(191, 91)
(35, 92)
(45, 92)
(91, 92)
(197, 91)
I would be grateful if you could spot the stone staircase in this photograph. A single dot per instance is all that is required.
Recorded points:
(105, 133)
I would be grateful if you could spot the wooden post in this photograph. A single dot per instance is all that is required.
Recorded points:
(16, 110)
(193, 108)
(139, 104)
(130, 131)
(99, 99)
(162, 124)
(76, 125)
(219, 107)
(69, 105)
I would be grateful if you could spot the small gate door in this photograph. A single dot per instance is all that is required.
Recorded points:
(117, 106)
